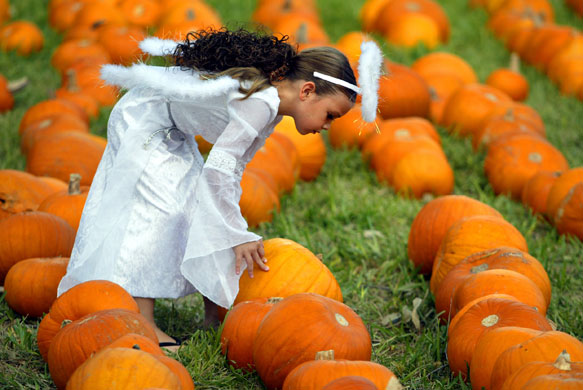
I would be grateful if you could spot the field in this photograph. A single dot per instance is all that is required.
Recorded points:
(359, 226)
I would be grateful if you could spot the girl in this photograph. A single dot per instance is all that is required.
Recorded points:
(159, 220)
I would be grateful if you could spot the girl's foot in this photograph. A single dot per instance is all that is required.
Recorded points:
(167, 342)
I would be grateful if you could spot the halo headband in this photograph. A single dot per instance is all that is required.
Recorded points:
(338, 81)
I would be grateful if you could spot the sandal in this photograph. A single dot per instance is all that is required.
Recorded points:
(176, 343)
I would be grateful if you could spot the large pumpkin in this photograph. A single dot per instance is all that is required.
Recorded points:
(33, 234)
(123, 368)
(31, 284)
(432, 221)
(317, 373)
(299, 326)
(292, 269)
(79, 339)
(78, 301)
(471, 235)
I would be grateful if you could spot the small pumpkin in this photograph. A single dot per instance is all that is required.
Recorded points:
(283, 343)
(536, 191)
(21, 191)
(510, 80)
(48, 108)
(21, 36)
(67, 204)
(442, 62)
(350, 130)
(136, 341)
(258, 202)
(6, 97)
(569, 216)
(560, 188)
(50, 125)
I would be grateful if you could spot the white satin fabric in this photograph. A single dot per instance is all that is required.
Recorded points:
(159, 220)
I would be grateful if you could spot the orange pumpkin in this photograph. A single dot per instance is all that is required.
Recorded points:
(293, 269)
(48, 108)
(6, 97)
(569, 215)
(123, 368)
(350, 382)
(21, 36)
(441, 86)
(561, 188)
(571, 381)
(543, 347)
(350, 130)
(67, 204)
(489, 346)
(136, 341)
(240, 327)
(320, 372)
(510, 80)
(470, 235)
(483, 317)
(80, 300)
(301, 30)
(258, 202)
(283, 342)
(84, 76)
(290, 150)
(432, 222)
(311, 149)
(79, 339)
(272, 157)
(512, 159)
(75, 95)
(412, 29)
(122, 42)
(31, 284)
(269, 13)
(497, 258)
(100, 13)
(141, 13)
(4, 11)
(349, 44)
(536, 191)
(50, 125)
(178, 369)
(21, 191)
(61, 154)
(33, 234)
(442, 62)
(71, 51)
(563, 365)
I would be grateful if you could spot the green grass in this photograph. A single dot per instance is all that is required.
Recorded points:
(359, 227)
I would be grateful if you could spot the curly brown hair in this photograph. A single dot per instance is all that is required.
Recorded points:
(262, 59)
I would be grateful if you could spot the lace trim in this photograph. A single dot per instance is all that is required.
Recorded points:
(225, 162)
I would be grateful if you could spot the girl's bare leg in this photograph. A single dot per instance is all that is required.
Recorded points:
(211, 314)
(146, 306)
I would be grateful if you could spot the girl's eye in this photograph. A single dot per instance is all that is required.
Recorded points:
(330, 117)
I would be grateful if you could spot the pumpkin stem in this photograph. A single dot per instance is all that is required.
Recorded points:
(394, 384)
(74, 184)
(514, 62)
(563, 362)
(302, 33)
(274, 300)
(72, 85)
(65, 323)
(17, 85)
(325, 355)
(479, 268)
(509, 115)
(491, 320)
(136, 346)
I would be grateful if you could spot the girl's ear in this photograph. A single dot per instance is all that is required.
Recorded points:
(308, 88)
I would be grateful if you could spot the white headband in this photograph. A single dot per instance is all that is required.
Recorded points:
(369, 71)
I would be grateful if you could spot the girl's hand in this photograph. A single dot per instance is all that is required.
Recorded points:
(250, 252)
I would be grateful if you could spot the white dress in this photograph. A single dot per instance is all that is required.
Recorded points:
(159, 220)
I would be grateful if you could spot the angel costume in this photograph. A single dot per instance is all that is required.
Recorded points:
(159, 220)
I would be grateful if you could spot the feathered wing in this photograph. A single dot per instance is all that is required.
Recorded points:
(158, 47)
(369, 71)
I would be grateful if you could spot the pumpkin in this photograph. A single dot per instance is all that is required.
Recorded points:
(349, 44)
(525, 373)
(100, 13)
(311, 148)
(543, 347)
(560, 188)
(489, 346)
(49, 108)
(432, 222)
(555, 381)
(121, 42)
(442, 62)
(412, 29)
(62, 14)
(402, 92)
(467, 107)
(21, 36)
(484, 316)
(318, 373)
(80, 300)
(273, 158)
(33, 234)
(569, 216)
(50, 125)
(510, 80)
(266, 177)
(518, 112)
(511, 160)
(31, 284)
(258, 202)
(292, 269)
(6, 97)
(572, 51)
(123, 368)
(542, 7)
(290, 150)
(240, 327)
(84, 76)
(141, 13)
(78, 340)
(82, 99)
(497, 258)
(545, 42)
(71, 51)
(350, 382)
(284, 340)
(575, 6)
(136, 341)
(268, 13)
(412, 177)
(4, 11)
(394, 10)
(178, 369)
(301, 30)
(54, 183)
(536, 191)
(61, 154)
(441, 86)
(369, 12)
(350, 130)
(470, 235)
(21, 191)
(189, 11)
(67, 204)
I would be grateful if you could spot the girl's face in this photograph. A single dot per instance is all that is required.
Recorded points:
(314, 113)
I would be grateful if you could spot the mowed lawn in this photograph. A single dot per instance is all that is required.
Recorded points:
(360, 227)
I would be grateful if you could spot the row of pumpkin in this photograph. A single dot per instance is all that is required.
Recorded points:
(493, 296)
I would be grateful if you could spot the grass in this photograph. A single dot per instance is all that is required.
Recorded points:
(359, 227)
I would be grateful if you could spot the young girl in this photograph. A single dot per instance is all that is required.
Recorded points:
(159, 220)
